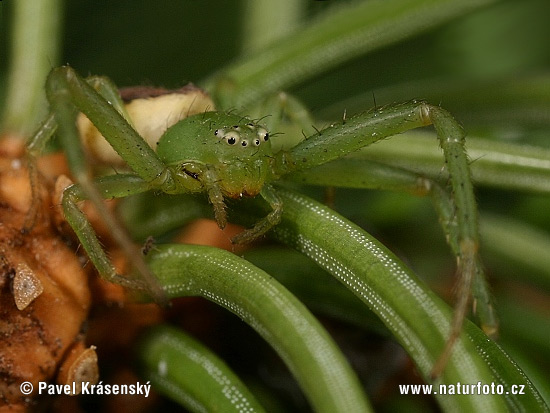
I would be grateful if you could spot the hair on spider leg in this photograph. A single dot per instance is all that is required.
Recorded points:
(471, 161)
(317, 130)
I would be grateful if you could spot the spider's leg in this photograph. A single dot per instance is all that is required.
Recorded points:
(37, 142)
(481, 296)
(215, 196)
(67, 93)
(109, 187)
(266, 223)
(451, 138)
(359, 172)
(362, 130)
(35, 146)
(109, 91)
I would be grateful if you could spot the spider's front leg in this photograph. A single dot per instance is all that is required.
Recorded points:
(109, 187)
(37, 142)
(67, 94)
(266, 223)
(210, 180)
(362, 130)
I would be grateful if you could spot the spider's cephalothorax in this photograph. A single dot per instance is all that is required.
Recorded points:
(227, 150)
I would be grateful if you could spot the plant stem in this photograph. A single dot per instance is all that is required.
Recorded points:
(417, 318)
(306, 348)
(338, 36)
(190, 374)
(259, 32)
(35, 50)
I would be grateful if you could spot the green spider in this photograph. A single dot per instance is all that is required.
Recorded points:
(229, 156)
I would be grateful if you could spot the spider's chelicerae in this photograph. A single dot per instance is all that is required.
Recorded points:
(226, 155)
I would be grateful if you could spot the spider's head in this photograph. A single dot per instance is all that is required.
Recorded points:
(248, 135)
(236, 150)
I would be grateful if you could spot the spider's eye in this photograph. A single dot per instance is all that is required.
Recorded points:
(263, 134)
(237, 127)
(219, 133)
(232, 138)
(244, 142)
(257, 142)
